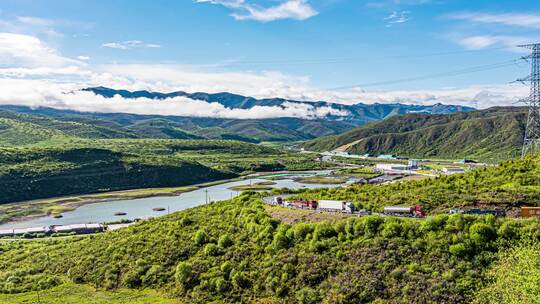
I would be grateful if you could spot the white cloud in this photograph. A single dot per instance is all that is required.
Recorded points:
(512, 19)
(31, 26)
(289, 9)
(192, 79)
(83, 57)
(130, 44)
(484, 96)
(397, 17)
(18, 50)
(484, 41)
(45, 94)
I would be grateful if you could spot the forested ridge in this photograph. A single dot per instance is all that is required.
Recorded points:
(234, 251)
(492, 134)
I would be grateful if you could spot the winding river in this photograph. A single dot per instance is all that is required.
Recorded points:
(143, 207)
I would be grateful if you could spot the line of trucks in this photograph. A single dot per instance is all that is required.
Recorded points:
(347, 207)
(400, 211)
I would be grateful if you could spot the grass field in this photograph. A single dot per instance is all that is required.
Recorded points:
(365, 172)
(78, 294)
(320, 180)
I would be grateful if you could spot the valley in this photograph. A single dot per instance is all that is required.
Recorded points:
(269, 152)
(238, 249)
(201, 207)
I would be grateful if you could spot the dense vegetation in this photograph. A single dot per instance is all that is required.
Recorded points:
(488, 135)
(76, 166)
(233, 251)
(511, 184)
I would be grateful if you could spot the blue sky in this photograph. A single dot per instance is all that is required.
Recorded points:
(289, 48)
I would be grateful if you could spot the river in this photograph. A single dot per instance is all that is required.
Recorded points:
(142, 208)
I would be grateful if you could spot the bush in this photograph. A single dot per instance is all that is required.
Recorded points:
(200, 237)
(211, 250)
(459, 249)
(239, 280)
(307, 295)
(482, 233)
(225, 241)
(281, 241)
(324, 230)
(184, 273)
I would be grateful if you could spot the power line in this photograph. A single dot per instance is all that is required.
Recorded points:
(353, 59)
(474, 69)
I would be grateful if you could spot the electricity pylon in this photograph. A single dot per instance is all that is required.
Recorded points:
(531, 142)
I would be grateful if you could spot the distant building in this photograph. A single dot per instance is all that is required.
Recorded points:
(391, 167)
(452, 170)
(79, 228)
(6, 232)
(413, 164)
(326, 158)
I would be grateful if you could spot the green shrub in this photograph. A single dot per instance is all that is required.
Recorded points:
(184, 273)
(225, 241)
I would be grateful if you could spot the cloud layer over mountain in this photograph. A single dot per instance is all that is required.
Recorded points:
(35, 93)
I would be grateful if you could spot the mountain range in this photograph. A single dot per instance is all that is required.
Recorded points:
(19, 124)
(491, 135)
(358, 113)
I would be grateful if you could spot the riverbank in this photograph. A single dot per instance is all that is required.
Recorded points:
(23, 211)
(138, 203)
(35, 209)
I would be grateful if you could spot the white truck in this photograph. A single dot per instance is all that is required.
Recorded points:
(335, 206)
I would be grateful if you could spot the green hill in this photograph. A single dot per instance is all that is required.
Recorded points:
(21, 129)
(62, 123)
(488, 135)
(235, 251)
(80, 166)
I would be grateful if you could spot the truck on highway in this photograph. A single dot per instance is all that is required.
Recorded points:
(404, 211)
(335, 206)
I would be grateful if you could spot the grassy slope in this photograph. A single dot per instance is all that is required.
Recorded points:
(233, 250)
(76, 294)
(491, 134)
(20, 129)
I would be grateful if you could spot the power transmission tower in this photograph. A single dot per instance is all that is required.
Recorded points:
(531, 142)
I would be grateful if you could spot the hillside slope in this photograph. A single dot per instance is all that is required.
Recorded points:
(490, 135)
(234, 251)
(119, 125)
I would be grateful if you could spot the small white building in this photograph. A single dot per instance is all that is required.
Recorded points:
(452, 170)
(391, 167)
(413, 164)
(6, 232)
